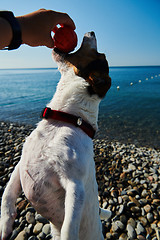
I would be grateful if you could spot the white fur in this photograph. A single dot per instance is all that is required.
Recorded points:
(72, 97)
(57, 169)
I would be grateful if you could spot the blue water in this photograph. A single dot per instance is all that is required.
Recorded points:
(130, 114)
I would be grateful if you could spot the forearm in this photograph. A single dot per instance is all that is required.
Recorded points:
(5, 33)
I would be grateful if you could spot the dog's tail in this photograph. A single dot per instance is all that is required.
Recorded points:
(104, 214)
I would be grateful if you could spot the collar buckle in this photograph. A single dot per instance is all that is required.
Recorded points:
(79, 121)
(46, 112)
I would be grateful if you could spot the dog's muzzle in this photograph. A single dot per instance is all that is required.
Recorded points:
(90, 39)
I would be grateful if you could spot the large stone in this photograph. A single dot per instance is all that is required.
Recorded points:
(38, 228)
(140, 229)
(46, 229)
(131, 232)
(22, 236)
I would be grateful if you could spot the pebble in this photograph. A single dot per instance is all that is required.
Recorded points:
(123, 219)
(131, 232)
(48, 237)
(129, 185)
(27, 230)
(123, 236)
(30, 218)
(38, 228)
(132, 222)
(117, 226)
(22, 236)
(150, 217)
(140, 229)
(143, 220)
(41, 236)
(148, 237)
(144, 193)
(14, 234)
(46, 229)
(141, 237)
(41, 219)
(120, 210)
(33, 238)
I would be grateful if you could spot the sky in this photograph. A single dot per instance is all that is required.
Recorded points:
(127, 31)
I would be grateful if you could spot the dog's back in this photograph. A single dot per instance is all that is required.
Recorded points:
(57, 169)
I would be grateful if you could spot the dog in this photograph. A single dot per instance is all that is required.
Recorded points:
(57, 169)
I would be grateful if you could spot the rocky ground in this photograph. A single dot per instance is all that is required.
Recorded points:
(129, 185)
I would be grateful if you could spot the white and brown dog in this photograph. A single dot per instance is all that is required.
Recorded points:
(57, 169)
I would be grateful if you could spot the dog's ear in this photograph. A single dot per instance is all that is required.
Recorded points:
(100, 83)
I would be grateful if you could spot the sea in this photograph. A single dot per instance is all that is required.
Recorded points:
(130, 112)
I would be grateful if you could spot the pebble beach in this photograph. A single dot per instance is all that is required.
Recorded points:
(128, 180)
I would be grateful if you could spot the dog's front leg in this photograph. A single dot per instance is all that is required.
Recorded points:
(8, 209)
(74, 201)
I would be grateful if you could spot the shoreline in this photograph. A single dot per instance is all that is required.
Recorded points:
(121, 135)
(128, 181)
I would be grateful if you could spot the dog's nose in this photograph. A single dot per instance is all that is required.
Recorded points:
(90, 39)
(92, 34)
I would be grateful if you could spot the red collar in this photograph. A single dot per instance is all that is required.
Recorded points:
(69, 118)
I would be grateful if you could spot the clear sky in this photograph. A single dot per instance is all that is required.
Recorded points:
(128, 31)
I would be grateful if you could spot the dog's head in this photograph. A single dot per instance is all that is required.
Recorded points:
(88, 64)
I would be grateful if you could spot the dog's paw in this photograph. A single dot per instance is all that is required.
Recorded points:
(104, 214)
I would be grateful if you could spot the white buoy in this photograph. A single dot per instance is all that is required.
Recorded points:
(146, 78)
(118, 87)
(131, 83)
(139, 81)
(152, 77)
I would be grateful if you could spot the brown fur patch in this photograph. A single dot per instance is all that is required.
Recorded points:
(100, 83)
(93, 67)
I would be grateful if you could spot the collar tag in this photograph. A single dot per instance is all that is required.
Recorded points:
(79, 121)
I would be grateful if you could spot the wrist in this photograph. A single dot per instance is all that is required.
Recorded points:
(16, 40)
(21, 21)
(7, 35)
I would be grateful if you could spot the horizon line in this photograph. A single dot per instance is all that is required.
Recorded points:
(57, 67)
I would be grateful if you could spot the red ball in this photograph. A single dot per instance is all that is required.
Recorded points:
(65, 39)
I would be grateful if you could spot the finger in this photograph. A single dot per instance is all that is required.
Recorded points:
(64, 19)
(68, 23)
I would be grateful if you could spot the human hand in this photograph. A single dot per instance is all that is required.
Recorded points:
(37, 26)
